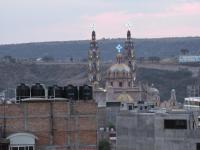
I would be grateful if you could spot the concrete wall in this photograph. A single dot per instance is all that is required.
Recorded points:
(145, 131)
(58, 125)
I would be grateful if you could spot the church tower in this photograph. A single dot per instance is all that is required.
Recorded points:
(172, 100)
(129, 55)
(93, 61)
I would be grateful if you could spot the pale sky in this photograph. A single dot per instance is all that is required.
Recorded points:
(62, 20)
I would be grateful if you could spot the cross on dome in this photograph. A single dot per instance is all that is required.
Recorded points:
(119, 47)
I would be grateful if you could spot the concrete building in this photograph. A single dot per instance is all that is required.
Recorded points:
(174, 130)
(41, 124)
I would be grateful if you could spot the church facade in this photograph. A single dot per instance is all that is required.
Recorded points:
(121, 83)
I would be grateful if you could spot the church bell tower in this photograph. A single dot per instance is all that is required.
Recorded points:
(93, 61)
(129, 55)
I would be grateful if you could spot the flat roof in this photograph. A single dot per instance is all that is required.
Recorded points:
(196, 99)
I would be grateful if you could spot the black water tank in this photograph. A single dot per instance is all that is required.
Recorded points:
(50, 92)
(22, 91)
(55, 92)
(85, 92)
(71, 92)
(37, 91)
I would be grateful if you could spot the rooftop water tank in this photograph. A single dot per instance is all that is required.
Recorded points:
(55, 92)
(71, 92)
(22, 91)
(37, 91)
(85, 92)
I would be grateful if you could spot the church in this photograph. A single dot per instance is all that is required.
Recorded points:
(122, 89)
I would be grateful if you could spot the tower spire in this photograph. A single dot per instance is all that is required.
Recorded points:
(93, 35)
(129, 34)
(93, 61)
(129, 54)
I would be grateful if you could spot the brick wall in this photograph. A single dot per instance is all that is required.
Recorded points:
(57, 124)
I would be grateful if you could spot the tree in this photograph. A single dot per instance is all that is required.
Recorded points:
(71, 59)
(9, 59)
(110, 125)
(154, 59)
(104, 145)
(141, 59)
(48, 59)
(184, 51)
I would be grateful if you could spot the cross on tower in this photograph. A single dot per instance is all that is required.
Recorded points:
(128, 25)
(93, 27)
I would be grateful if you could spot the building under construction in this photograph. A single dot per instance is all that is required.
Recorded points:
(40, 122)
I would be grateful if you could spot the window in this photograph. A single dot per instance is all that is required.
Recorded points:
(30, 148)
(130, 107)
(21, 148)
(111, 83)
(175, 124)
(129, 84)
(120, 84)
(28, 144)
(4, 145)
(199, 118)
(140, 102)
(198, 146)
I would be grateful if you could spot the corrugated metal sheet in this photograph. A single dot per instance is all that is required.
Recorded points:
(189, 59)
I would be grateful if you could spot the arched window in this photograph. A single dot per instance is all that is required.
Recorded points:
(120, 84)
(111, 83)
(129, 84)
(22, 141)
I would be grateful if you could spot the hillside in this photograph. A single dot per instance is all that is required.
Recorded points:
(15, 73)
(163, 47)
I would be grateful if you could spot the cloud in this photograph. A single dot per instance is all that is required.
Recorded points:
(36, 20)
(177, 20)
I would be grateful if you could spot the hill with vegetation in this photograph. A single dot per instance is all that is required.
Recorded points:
(61, 74)
(161, 47)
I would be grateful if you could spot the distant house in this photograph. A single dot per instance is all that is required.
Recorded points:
(190, 59)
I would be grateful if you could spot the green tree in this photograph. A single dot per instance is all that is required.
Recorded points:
(48, 59)
(184, 51)
(104, 145)
(110, 125)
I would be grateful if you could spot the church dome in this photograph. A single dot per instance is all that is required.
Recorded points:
(153, 91)
(125, 98)
(119, 68)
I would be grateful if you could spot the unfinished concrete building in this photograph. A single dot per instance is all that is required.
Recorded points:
(174, 130)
